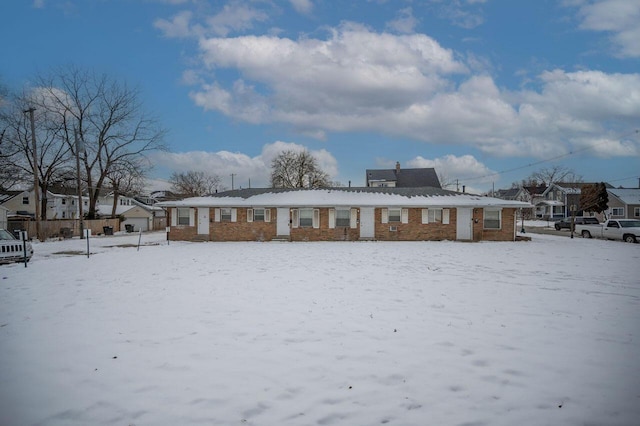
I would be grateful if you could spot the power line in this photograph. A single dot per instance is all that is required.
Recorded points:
(573, 152)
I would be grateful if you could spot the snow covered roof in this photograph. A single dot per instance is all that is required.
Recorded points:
(346, 197)
(626, 195)
(106, 209)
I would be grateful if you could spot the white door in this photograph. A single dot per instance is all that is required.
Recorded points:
(464, 224)
(282, 225)
(367, 228)
(203, 221)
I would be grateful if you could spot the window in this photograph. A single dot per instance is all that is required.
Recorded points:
(225, 215)
(257, 215)
(306, 218)
(617, 211)
(492, 219)
(343, 217)
(73, 202)
(64, 201)
(183, 216)
(636, 212)
(395, 215)
(25, 200)
(435, 215)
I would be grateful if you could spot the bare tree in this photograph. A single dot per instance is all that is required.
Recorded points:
(109, 119)
(194, 184)
(553, 174)
(297, 169)
(126, 179)
(52, 152)
(10, 175)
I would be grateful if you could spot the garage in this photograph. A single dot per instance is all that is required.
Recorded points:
(136, 217)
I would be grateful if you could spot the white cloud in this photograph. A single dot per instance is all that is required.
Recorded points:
(178, 26)
(620, 18)
(451, 168)
(405, 86)
(353, 73)
(245, 168)
(235, 17)
(405, 22)
(302, 6)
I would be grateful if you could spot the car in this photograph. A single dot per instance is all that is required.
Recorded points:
(565, 223)
(12, 249)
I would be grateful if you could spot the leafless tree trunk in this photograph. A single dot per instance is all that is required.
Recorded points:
(109, 119)
(53, 153)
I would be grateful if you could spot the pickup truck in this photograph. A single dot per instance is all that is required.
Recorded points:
(12, 249)
(613, 229)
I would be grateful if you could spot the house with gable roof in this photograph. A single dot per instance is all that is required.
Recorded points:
(341, 214)
(402, 178)
(624, 203)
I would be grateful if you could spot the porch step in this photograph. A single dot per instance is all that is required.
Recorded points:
(281, 238)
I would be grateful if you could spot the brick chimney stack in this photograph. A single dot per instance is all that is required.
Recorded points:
(397, 167)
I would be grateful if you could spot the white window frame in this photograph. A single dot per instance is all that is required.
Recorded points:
(345, 220)
(259, 215)
(436, 215)
(295, 218)
(485, 219)
(25, 200)
(617, 211)
(394, 215)
(305, 218)
(636, 212)
(181, 216)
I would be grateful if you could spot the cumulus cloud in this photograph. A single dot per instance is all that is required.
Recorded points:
(302, 6)
(178, 26)
(352, 76)
(473, 172)
(619, 18)
(404, 23)
(232, 18)
(358, 80)
(245, 168)
(235, 17)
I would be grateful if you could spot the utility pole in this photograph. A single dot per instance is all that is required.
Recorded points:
(232, 175)
(36, 182)
(80, 213)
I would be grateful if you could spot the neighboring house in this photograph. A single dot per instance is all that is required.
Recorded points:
(335, 214)
(18, 202)
(560, 200)
(405, 178)
(145, 218)
(624, 203)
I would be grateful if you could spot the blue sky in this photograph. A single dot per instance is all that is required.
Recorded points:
(485, 91)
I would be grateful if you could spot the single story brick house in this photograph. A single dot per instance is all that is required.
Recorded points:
(339, 214)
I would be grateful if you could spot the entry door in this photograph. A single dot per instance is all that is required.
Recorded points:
(367, 229)
(203, 221)
(282, 225)
(464, 224)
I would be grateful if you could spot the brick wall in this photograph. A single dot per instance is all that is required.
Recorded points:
(415, 230)
(241, 230)
(324, 233)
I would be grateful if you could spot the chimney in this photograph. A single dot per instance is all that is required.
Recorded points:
(397, 166)
(463, 188)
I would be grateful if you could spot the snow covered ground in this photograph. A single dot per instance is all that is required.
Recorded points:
(544, 332)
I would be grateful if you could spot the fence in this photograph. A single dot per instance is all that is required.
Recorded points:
(64, 228)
